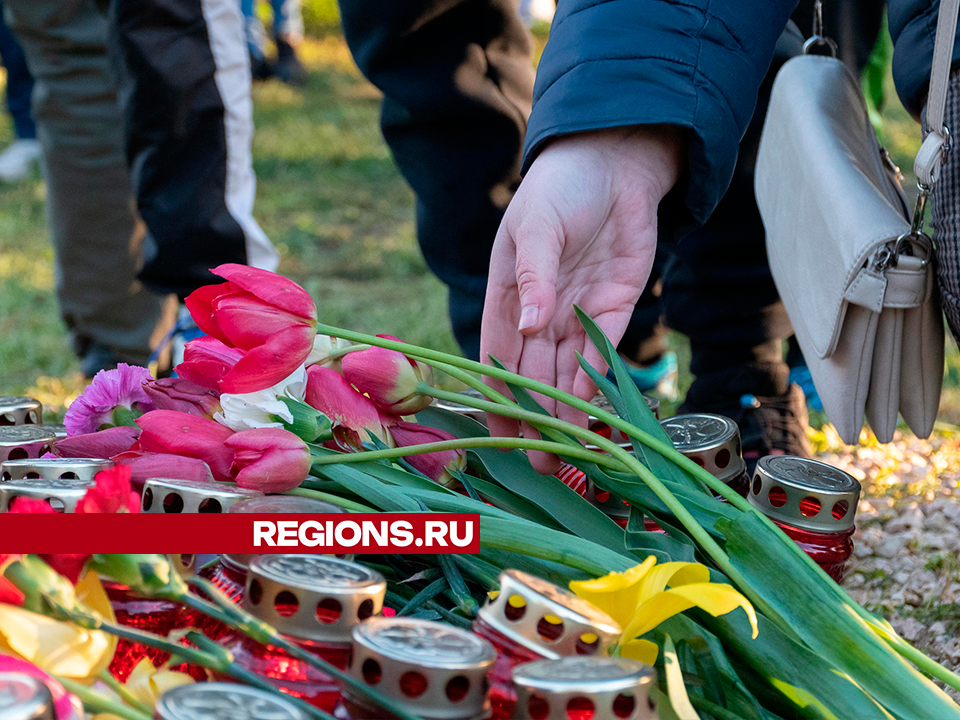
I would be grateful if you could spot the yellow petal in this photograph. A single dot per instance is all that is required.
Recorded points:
(60, 648)
(91, 593)
(167, 680)
(715, 598)
(672, 574)
(106, 716)
(641, 650)
(676, 690)
(617, 594)
(139, 681)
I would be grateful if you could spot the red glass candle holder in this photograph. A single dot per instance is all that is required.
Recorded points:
(155, 616)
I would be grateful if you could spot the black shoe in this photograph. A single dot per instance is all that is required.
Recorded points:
(260, 68)
(288, 67)
(96, 358)
(774, 426)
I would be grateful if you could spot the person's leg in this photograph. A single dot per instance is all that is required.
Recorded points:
(188, 119)
(93, 224)
(458, 84)
(260, 68)
(288, 34)
(19, 82)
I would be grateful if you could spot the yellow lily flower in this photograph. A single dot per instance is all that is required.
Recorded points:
(639, 599)
(147, 683)
(61, 648)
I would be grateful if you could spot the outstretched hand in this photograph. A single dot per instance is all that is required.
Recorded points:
(582, 229)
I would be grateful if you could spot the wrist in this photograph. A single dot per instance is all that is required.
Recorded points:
(657, 154)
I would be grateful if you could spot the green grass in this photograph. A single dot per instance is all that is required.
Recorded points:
(332, 201)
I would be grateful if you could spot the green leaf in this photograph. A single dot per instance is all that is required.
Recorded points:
(664, 547)
(309, 424)
(383, 496)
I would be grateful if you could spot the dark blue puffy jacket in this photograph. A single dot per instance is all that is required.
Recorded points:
(693, 63)
(913, 24)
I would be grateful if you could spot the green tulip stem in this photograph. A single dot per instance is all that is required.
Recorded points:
(97, 702)
(120, 689)
(349, 505)
(581, 453)
(261, 632)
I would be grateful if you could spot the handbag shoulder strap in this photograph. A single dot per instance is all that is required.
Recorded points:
(934, 149)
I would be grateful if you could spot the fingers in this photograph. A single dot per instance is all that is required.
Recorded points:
(539, 362)
(538, 246)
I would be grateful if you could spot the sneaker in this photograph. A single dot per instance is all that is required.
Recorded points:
(658, 378)
(288, 67)
(774, 426)
(17, 161)
(260, 68)
(175, 341)
(96, 358)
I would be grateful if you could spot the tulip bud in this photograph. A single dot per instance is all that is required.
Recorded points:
(104, 444)
(177, 433)
(354, 416)
(146, 465)
(147, 575)
(269, 459)
(438, 466)
(206, 361)
(325, 352)
(389, 377)
(182, 395)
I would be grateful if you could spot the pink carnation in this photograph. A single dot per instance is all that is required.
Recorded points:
(121, 387)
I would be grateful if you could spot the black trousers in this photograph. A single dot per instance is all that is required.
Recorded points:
(457, 82)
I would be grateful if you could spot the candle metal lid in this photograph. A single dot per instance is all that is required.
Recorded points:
(313, 597)
(23, 697)
(164, 495)
(479, 415)
(435, 670)
(614, 687)
(526, 610)
(185, 565)
(804, 493)
(21, 442)
(223, 701)
(62, 494)
(53, 469)
(20, 410)
(275, 504)
(59, 431)
(711, 441)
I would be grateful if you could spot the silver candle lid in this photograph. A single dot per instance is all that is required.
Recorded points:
(804, 493)
(19, 410)
(313, 597)
(602, 402)
(184, 564)
(275, 505)
(479, 415)
(63, 495)
(224, 701)
(22, 442)
(53, 469)
(165, 495)
(711, 441)
(434, 670)
(603, 688)
(59, 431)
(548, 619)
(23, 697)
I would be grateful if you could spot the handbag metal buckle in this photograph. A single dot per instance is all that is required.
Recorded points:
(818, 39)
(888, 257)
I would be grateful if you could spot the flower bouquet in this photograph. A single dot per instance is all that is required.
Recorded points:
(737, 619)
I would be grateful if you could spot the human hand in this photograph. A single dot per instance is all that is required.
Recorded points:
(582, 229)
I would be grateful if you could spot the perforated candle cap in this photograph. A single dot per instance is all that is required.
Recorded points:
(20, 410)
(603, 688)
(548, 619)
(23, 697)
(460, 409)
(53, 469)
(63, 495)
(434, 670)
(220, 701)
(803, 493)
(275, 504)
(711, 441)
(594, 424)
(165, 495)
(23, 442)
(59, 431)
(313, 597)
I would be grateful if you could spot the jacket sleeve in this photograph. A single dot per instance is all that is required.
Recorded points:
(696, 64)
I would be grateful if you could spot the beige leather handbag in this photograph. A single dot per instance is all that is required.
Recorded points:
(856, 275)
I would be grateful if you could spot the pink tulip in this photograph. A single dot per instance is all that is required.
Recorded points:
(206, 361)
(271, 460)
(65, 705)
(389, 377)
(438, 466)
(270, 318)
(146, 465)
(177, 433)
(182, 395)
(104, 444)
(353, 416)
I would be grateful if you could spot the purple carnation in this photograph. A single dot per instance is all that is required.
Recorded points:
(121, 387)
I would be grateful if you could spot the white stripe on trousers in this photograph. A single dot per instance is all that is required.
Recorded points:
(229, 49)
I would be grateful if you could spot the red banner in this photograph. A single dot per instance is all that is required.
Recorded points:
(356, 533)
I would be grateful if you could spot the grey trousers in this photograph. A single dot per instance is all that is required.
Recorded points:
(96, 233)
(945, 214)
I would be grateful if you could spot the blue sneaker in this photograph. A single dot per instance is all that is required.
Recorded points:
(800, 375)
(659, 379)
(183, 332)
